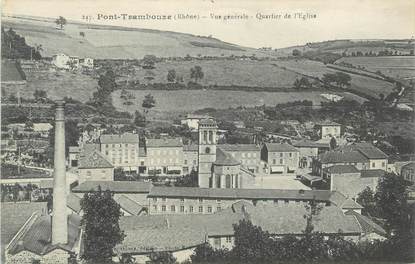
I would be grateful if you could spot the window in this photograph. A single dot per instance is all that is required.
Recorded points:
(205, 136)
(210, 136)
(182, 200)
(209, 209)
(281, 155)
(207, 150)
(276, 201)
(228, 181)
(155, 199)
(191, 209)
(88, 173)
(291, 155)
(217, 242)
(373, 165)
(163, 208)
(286, 201)
(200, 200)
(181, 208)
(218, 201)
(200, 209)
(185, 162)
(218, 208)
(173, 208)
(106, 153)
(383, 164)
(274, 161)
(155, 208)
(281, 161)
(228, 239)
(163, 199)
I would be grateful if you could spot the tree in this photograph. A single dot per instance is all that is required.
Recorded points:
(149, 61)
(82, 34)
(162, 258)
(296, 53)
(366, 198)
(101, 225)
(333, 143)
(391, 200)
(61, 21)
(196, 73)
(171, 75)
(139, 119)
(148, 102)
(40, 95)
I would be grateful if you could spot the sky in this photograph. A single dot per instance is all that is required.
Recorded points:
(348, 19)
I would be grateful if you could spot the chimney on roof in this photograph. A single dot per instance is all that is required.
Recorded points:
(59, 216)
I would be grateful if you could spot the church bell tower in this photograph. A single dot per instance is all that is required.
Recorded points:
(207, 151)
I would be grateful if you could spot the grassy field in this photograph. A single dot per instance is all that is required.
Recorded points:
(117, 42)
(226, 73)
(317, 69)
(393, 66)
(57, 85)
(171, 103)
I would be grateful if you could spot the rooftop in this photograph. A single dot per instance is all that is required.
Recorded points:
(277, 147)
(372, 173)
(336, 156)
(94, 160)
(114, 186)
(410, 165)
(340, 169)
(309, 144)
(240, 147)
(328, 123)
(250, 194)
(225, 159)
(74, 202)
(128, 205)
(37, 238)
(367, 149)
(367, 225)
(164, 142)
(207, 122)
(119, 139)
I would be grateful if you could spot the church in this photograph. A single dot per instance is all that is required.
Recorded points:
(217, 167)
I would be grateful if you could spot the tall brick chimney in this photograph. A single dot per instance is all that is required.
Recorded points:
(59, 218)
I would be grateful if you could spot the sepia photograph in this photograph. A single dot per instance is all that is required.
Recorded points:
(207, 131)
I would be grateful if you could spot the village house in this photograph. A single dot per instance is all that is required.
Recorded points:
(281, 159)
(95, 167)
(328, 129)
(407, 172)
(308, 150)
(192, 121)
(121, 150)
(249, 155)
(364, 156)
(164, 157)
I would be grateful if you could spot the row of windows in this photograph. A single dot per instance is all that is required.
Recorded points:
(247, 155)
(194, 162)
(288, 154)
(164, 199)
(181, 209)
(158, 161)
(119, 145)
(163, 152)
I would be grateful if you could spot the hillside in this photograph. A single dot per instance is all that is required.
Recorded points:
(111, 42)
(348, 46)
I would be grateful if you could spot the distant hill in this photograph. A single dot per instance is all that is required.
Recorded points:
(113, 42)
(402, 46)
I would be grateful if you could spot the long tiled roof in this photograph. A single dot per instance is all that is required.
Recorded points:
(336, 156)
(36, 239)
(372, 173)
(14, 215)
(176, 232)
(94, 160)
(367, 225)
(340, 169)
(119, 139)
(212, 193)
(309, 144)
(225, 159)
(277, 147)
(128, 205)
(163, 142)
(74, 202)
(240, 147)
(367, 149)
(114, 186)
